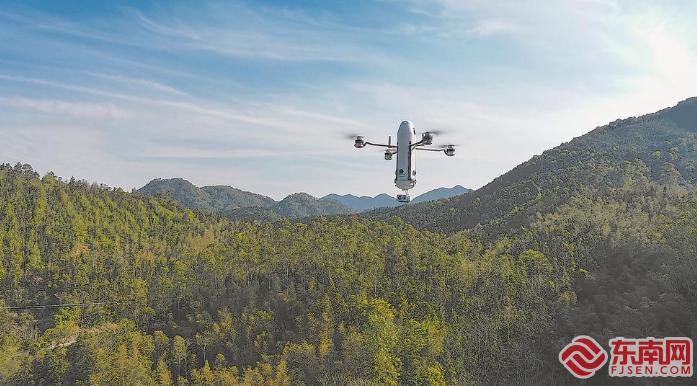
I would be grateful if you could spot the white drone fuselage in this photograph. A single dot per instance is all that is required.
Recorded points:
(405, 168)
(405, 164)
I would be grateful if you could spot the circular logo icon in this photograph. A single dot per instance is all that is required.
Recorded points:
(583, 357)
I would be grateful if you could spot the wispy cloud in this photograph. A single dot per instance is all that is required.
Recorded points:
(76, 109)
(139, 82)
(186, 106)
(491, 27)
(256, 95)
(272, 35)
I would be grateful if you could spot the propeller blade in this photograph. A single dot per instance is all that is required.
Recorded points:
(438, 131)
(350, 135)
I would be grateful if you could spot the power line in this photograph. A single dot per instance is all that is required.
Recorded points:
(49, 306)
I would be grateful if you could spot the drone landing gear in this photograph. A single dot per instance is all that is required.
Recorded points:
(403, 197)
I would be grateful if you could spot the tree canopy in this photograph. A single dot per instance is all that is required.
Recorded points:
(194, 298)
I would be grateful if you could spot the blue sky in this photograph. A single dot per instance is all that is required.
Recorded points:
(257, 94)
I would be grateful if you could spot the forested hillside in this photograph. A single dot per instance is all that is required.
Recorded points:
(364, 203)
(237, 204)
(440, 193)
(190, 298)
(662, 146)
(294, 206)
(205, 299)
(208, 198)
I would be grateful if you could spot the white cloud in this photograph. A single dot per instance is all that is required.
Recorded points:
(284, 124)
(270, 35)
(489, 27)
(76, 109)
(508, 79)
(139, 82)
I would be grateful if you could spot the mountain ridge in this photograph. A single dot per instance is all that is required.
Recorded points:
(383, 200)
(609, 251)
(215, 198)
(658, 146)
(239, 204)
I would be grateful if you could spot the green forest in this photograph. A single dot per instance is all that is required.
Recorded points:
(348, 193)
(190, 298)
(597, 236)
(237, 204)
(661, 147)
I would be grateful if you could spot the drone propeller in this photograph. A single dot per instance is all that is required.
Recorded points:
(437, 131)
(350, 135)
(444, 146)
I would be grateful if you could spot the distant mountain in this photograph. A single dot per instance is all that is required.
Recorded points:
(208, 198)
(659, 147)
(440, 193)
(239, 204)
(294, 206)
(366, 203)
(225, 197)
(363, 203)
(305, 205)
(180, 190)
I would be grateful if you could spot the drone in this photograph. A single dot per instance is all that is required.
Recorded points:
(405, 170)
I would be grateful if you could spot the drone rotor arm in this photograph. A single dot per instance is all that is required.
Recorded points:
(381, 145)
(420, 143)
(427, 149)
